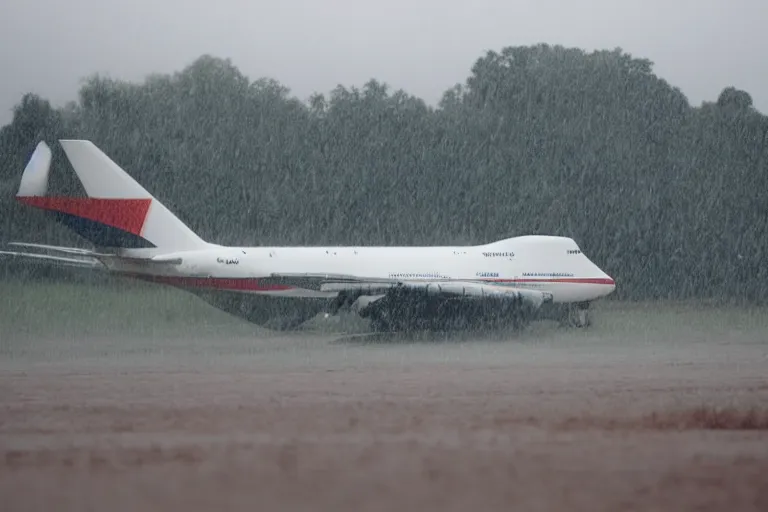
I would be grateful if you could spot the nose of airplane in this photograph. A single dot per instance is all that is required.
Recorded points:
(607, 283)
(610, 284)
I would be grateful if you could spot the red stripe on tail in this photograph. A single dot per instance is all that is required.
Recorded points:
(126, 214)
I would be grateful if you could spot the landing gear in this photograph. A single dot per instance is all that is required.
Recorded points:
(406, 311)
(577, 315)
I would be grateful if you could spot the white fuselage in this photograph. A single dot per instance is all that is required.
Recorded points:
(550, 264)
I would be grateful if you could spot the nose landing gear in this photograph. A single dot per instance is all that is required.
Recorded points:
(577, 315)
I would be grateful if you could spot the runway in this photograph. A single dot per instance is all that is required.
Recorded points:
(653, 408)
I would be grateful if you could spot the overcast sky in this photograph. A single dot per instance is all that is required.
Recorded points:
(422, 46)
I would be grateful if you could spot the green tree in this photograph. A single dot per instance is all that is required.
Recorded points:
(542, 139)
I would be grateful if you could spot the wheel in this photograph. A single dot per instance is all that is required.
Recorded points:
(575, 315)
(578, 317)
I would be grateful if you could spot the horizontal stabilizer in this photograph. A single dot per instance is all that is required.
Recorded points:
(92, 258)
(54, 248)
(59, 260)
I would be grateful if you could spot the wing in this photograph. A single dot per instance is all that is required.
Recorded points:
(445, 287)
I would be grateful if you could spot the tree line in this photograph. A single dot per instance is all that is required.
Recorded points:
(670, 199)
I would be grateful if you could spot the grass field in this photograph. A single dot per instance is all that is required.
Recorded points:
(107, 306)
(128, 396)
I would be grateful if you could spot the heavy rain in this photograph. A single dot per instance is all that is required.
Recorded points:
(121, 394)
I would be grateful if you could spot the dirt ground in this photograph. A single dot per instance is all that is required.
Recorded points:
(626, 416)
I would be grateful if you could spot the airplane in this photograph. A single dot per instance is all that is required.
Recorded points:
(398, 289)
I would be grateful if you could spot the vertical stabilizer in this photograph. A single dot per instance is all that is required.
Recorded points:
(118, 212)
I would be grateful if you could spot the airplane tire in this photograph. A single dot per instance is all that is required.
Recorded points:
(451, 315)
(578, 317)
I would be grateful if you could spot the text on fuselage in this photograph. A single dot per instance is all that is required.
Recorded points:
(547, 274)
(417, 275)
